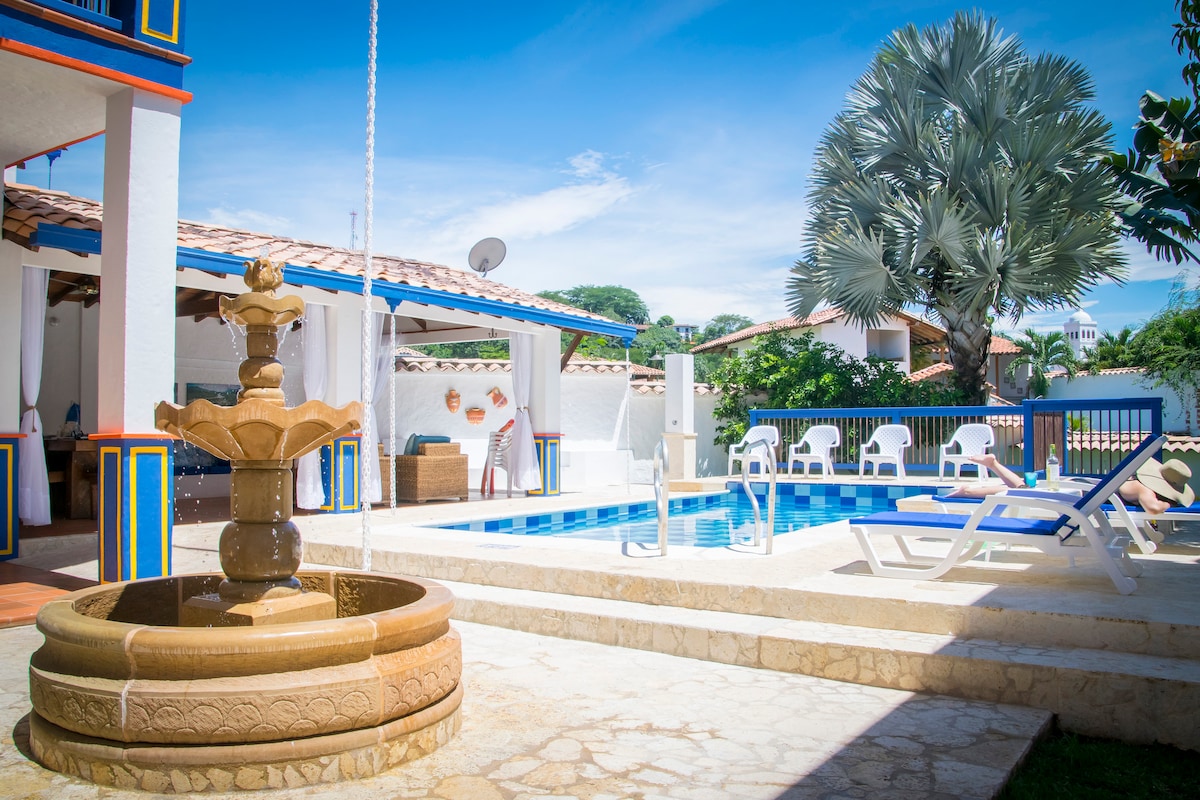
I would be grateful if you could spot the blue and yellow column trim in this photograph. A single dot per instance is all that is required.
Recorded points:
(339, 475)
(137, 502)
(10, 512)
(548, 446)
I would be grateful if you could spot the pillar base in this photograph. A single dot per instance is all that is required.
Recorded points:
(339, 475)
(10, 519)
(681, 456)
(549, 447)
(137, 500)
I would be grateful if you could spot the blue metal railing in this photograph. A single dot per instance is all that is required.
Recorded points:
(1091, 436)
(97, 12)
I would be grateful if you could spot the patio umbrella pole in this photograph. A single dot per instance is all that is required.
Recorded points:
(368, 349)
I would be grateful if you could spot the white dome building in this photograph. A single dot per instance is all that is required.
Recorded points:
(1080, 330)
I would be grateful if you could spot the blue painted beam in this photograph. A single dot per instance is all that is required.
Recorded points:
(78, 241)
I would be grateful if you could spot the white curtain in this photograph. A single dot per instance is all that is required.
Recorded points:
(523, 456)
(33, 483)
(378, 393)
(309, 491)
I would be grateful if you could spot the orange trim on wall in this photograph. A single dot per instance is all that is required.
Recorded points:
(62, 146)
(101, 436)
(20, 48)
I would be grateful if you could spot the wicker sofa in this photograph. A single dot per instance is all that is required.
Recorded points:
(437, 472)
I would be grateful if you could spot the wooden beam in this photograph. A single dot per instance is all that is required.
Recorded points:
(570, 351)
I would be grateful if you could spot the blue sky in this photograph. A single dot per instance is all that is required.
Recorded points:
(663, 146)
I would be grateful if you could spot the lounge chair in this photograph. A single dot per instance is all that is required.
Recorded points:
(1071, 525)
(971, 439)
(739, 451)
(820, 439)
(890, 442)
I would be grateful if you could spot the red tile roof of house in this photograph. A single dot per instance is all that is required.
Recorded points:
(27, 206)
(933, 370)
(413, 361)
(927, 330)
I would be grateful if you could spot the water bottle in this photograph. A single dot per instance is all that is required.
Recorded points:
(1052, 470)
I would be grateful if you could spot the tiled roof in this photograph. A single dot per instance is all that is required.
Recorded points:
(1000, 347)
(424, 363)
(785, 324)
(933, 370)
(927, 330)
(28, 206)
(660, 388)
(1182, 444)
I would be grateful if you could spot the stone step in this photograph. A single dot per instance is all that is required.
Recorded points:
(1129, 696)
(1014, 625)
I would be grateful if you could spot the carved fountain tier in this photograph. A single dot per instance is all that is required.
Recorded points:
(260, 677)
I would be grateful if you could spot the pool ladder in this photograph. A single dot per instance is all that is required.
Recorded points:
(662, 491)
(771, 469)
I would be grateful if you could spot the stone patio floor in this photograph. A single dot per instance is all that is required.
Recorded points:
(558, 717)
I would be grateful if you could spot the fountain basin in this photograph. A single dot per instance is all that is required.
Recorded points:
(119, 683)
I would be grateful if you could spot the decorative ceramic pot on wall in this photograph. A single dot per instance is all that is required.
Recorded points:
(475, 415)
(498, 398)
(453, 401)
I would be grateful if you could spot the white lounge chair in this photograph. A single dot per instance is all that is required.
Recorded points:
(820, 439)
(971, 439)
(757, 432)
(890, 442)
(1068, 527)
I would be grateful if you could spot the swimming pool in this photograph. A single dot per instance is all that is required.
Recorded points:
(713, 520)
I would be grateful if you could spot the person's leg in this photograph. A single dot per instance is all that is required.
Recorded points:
(1138, 492)
(1011, 479)
(976, 490)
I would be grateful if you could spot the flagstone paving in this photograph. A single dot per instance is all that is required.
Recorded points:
(545, 716)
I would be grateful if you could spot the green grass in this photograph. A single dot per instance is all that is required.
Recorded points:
(1064, 766)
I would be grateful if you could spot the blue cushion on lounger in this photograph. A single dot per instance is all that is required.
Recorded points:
(1039, 527)
(413, 446)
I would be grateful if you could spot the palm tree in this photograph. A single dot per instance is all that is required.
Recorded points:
(962, 177)
(1041, 353)
(1111, 350)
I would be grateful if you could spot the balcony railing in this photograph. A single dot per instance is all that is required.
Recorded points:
(157, 22)
(1091, 436)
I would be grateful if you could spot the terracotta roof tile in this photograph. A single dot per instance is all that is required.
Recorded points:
(812, 320)
(417, 362)
(27, 206)
(933, 370)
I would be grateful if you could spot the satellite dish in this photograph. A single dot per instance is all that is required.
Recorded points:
(486, 255)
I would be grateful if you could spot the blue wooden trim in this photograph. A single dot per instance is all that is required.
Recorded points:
(47, 35)
(137, 493)
(63, 7)
(78, 241)
(158, 22)
(60, 237)
(10, 513)
(548, 447)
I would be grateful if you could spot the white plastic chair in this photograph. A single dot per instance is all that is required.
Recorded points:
(890, 442)
(821, 439)
(768, 432)
(972, 439)
(499, 445)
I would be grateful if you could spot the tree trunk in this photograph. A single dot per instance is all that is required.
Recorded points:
(969, 340)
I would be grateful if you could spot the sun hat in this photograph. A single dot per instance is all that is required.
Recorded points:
(1168, 480)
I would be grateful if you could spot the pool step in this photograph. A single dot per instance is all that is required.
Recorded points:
(1130, 696)
(635, 580)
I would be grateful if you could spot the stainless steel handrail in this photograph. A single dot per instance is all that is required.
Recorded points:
(772, 476)
(662, 491)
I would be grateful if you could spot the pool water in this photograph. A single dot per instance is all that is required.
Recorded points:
(712, 521)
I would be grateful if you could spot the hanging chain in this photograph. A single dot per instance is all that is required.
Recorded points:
(368, 344)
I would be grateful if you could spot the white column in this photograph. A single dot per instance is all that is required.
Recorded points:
(680, 419)
(136, 360)
(545, 404)
(10, 337)
(343, 340)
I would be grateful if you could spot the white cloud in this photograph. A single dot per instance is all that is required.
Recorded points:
(248, 219)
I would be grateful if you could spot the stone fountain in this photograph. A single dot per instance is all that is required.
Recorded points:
(263, 676)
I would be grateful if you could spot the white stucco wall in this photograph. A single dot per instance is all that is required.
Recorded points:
(1178, 417)
(889, 339)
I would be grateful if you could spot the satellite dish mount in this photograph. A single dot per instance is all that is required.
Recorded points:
(486, 255)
